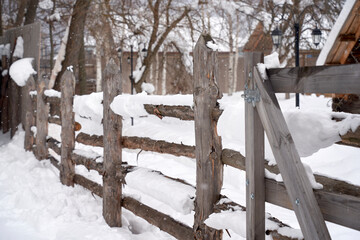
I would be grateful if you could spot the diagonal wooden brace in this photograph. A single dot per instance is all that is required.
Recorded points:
(291, 168)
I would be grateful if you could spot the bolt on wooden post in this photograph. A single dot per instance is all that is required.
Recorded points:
(209, 170)
(112, 123)
(67, 166)
(255, 172)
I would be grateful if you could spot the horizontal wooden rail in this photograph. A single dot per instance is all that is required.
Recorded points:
(154, 217)
(335, 198)
(317, 79)
(146, 144)
(181, 112)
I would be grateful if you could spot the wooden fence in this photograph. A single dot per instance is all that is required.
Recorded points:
(337, 202)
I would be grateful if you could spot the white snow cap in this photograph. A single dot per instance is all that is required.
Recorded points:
(212, 45)
(147, 87)
(270, 61)
(19, 49)
(21, 70)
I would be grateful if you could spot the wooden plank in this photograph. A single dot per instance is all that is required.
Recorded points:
(319, 79)
(112, 123)
(67, 166)
(254, 144)
(181, 112)
(145, 144)
(5, 97)
(15, 108)
(209, 170)
(42, 112)
(28, 111)
(292, 170)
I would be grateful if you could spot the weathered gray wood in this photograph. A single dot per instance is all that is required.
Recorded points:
(181, 112)
(345, 197)
(292, 170)
(89, 163)
(42, 111)
(4, 97)
(15, 108)
(255, 174)
(112, 123)
(146, 144)
(28, 111)
(67, 167)
(209, 170)
(319, 79)
(55, 145)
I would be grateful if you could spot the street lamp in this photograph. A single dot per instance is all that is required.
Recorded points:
(144, 52)
(131, 60)
(276, 37)
(316, 36)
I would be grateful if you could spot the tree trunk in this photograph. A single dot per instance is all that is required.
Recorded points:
(81, 67)
(31, 11)
(21, 13)
(74, 40)
(163, 77)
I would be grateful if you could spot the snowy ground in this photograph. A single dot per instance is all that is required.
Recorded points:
(34, 205)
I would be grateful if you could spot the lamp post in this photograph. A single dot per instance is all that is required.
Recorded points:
(130, 60)
(276, 37)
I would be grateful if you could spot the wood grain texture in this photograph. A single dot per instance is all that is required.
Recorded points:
(181, 112)
(318, 79)
(14, 107)
(209, 169)
(112, 124)
(67, 167)
(42, 112)
(5, 125)
(292, 170)
(146, 144)
(254, 144)
(28, 110)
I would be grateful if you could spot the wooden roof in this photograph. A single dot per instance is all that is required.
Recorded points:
(259, 41)
(346, 48)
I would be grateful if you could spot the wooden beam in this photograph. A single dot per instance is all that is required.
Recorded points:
(67, 166)
(350, 37)
(254, 144)
(145, 144)
(28, 110)
(112, 124)
(181, 112)
(42, 112)
(209, 169)
(319, 79)
(292, 170)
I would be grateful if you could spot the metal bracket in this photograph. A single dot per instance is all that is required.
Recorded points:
(251, 96)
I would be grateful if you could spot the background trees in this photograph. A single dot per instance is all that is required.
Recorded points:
(163, 26)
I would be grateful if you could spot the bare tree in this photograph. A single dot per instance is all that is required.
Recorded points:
(74, 40)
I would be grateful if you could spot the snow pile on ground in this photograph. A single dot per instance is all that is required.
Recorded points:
(33, 201)
(21, 70)
(36, 206)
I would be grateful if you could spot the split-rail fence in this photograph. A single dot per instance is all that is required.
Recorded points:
(337, 202)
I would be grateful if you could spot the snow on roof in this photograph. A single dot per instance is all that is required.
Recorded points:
(348, 6)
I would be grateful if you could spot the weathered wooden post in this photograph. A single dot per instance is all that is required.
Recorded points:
(67, 166)
(254, 135)
(112, 179)
(209, 171)
(4, 96)
(14, 107)
(42, 112)
(28, 112)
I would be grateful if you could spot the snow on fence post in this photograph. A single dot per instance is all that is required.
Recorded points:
(42, 112)
(28, 113)
(209, 171)
(255, 172)
(112, 123)
(67, 166)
